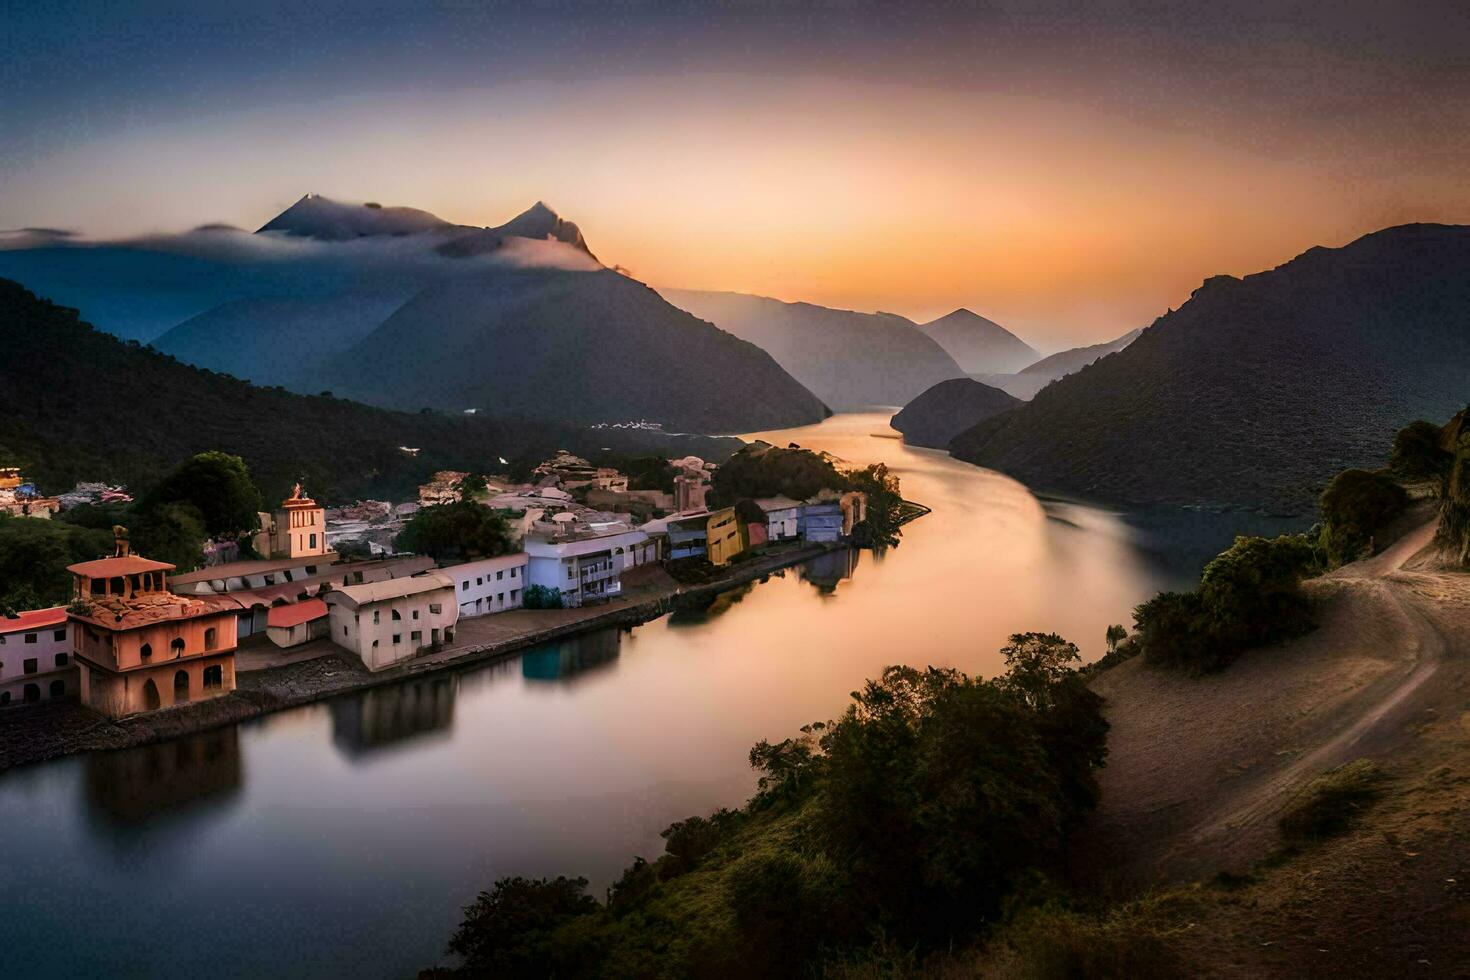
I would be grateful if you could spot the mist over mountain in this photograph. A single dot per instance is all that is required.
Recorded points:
(83, 405)
(849, 360)
(326, 220)
(978, 345)
(1025, 383)
(947, 409)
(406, 310)
(1257, 391)
(582, 346)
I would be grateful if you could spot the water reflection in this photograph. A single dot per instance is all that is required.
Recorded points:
(386, 717)
(826, 572)
(566, 660)
(158, 787)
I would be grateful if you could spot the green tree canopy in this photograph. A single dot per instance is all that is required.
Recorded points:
(462, 530)
(218, 486)
(34, 554)
(1356, 506)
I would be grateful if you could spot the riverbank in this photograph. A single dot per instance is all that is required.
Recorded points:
(270, 679)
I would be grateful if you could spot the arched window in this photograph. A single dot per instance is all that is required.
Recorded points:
(145, 651)
(31, 694)
(181, 686)
(396, 615)
(213, 678)
(58, 689)
(211, 638)
(150, 696)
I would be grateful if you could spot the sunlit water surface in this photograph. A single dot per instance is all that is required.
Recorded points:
(343, 838)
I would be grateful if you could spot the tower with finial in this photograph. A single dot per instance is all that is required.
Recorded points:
(298, 527)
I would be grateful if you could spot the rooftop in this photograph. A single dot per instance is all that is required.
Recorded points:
(397, 588)
(111, 567)
(33, 619)
(294, 615)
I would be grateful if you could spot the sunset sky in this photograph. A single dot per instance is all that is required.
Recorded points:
(1069, 174)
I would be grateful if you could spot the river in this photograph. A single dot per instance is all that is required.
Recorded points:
(343, 838)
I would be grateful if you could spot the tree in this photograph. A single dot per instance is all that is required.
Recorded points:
(1116, 634)
(218, 486)
(884, 503)
(472, 487)
(1035, 662)
(461, 530)
(1356, 506)
(34, 555)
(173, 533)
(1417, 453)
(509, 931)
(541, 597)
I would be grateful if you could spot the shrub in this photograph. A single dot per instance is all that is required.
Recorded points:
(509, 931)
(1249, 595)
(542, 597)
(1417, 454)
(1330, 804)
(1356, 506)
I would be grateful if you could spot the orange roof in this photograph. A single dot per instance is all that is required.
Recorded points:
(296, 613)
(33, 619)
(109, 567)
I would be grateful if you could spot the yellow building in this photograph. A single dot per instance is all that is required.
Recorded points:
(298, 529)
(723, 538)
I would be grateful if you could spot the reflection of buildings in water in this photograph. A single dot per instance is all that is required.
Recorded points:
(384, 717)
(566, 659)
(136, 786)
(689, 613)
(827, 570)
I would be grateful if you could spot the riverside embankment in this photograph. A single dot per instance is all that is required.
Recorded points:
(270, 679)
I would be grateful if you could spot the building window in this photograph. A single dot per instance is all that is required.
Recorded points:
(397, 638)
(415, 614)
(464, 586)
(313, 542)
(62, 660)
(514, 572)
(4, 698)
(214, 677)
(501, 598)
(211, 638)
(571, 572)
(344, 631)
(58, 689)
(181, 686)
(377, 617)
(514, 594)
(31, 694)
(417, 636)
(30, 638)
(176, 646)
(29, 666)
(145, 651)
(479, 580)
(59, 635)
(499, 576)
(397, 616)
(434, 608)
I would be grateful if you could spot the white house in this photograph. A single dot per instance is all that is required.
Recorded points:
(35, 657)
(783, 518)
(585, 565)
(385, 623)
(490, 585)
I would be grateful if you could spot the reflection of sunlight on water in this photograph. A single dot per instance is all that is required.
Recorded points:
(393, 807)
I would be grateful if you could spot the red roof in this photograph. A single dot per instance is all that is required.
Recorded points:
(110, 567)
(33, 619)
(296, 613)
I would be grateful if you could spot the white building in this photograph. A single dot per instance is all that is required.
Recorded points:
(586, 564)
(35, 657)
(490, 585)
(385, 623)
(783, 518)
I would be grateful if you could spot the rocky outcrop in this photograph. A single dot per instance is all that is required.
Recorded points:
(1453, 536)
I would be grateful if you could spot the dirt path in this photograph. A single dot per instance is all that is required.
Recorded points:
(1199, 768)
(1372, 727)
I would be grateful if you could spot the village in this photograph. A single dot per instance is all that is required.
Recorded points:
(139, 637)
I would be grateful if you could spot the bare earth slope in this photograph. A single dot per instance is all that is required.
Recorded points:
(1199, 770)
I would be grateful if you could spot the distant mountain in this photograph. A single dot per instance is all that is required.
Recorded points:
(588, 347)
(947, 409)
(326, 220)
(1031, 379)
(83, 405)
(978, 345)
(1257, 391)
(538, 223)
(281, 340)
(850, 360)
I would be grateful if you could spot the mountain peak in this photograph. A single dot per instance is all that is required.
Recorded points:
(538, 222)
(981, 346)
(322, 218)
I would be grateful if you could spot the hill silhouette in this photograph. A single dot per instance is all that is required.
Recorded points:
(1257, 391)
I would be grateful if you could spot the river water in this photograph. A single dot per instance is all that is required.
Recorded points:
(343, 838)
